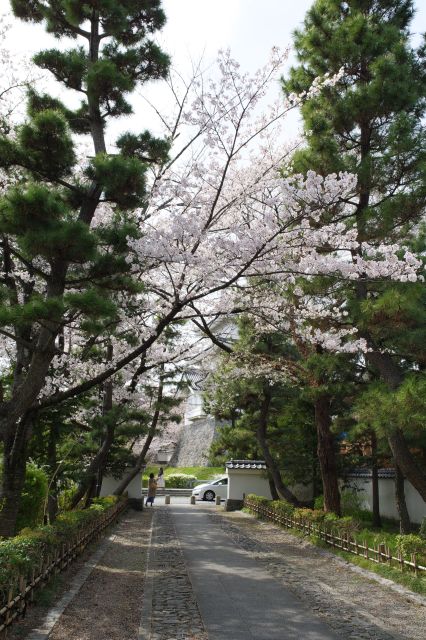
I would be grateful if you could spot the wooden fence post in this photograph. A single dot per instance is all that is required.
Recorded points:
(9, 600)
(414, 561)
(23, 603)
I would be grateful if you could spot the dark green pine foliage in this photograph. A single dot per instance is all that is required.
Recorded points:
(371, 123)
(56, 269)
(265, 413)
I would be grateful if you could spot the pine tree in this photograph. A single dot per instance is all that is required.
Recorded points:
(45, 219)
(371, 123)
(269, 414)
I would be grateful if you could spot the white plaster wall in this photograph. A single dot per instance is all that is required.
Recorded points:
(415, 503)
(244, 481)
(194, 407)
(109, 484)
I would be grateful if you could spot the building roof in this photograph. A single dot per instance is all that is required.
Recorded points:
(246, 464)
(366, 473)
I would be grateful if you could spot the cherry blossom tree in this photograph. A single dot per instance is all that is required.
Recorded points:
(164, 231)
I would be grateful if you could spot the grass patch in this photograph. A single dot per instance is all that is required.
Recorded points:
(405, 578)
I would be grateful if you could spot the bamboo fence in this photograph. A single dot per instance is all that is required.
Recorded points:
(381, 554)
(21, 593)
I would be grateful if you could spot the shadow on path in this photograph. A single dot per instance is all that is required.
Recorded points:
(238, 599)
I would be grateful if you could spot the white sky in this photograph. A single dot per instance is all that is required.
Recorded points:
(200, 27)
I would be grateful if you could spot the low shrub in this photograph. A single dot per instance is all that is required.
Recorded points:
(319, 503)
(283, 507)
(180, 481)
(259, 500)
(330, 518)
(408, 544)
(65, 496)
(352, 503)
(33, 497)
(26, 551)
(310, 515)
(348, 525)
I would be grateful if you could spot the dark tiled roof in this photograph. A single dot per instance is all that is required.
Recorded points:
(246, 464)
(366, 473)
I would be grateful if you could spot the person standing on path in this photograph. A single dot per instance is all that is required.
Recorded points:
(161, 483)
(152, 490)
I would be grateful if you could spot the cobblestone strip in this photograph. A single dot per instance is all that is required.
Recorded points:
(350, 604)
(175, 613)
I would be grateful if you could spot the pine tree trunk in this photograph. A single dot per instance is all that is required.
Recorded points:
(91, 484)
(406, 462)
(401, 505)
(273, 469)
(13, 475)
(97, 463)
(13, 479)
(393, 377)
(274, 493)
(377, 521)
(90, 493)
(316, 481)
(52, 498)
(326, 455)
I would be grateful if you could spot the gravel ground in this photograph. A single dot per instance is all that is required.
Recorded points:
(50, 596)
(108, 605)
(353, 605)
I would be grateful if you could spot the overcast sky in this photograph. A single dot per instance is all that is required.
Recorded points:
(201, 27)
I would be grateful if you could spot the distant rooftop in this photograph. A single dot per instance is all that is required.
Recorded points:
(246, 464)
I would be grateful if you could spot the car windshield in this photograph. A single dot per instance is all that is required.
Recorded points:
(221, 481)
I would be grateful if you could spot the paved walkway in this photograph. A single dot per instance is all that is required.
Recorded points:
(194, 572)
(237, 598)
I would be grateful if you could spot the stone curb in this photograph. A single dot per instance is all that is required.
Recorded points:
(53, 615)
(144, 632)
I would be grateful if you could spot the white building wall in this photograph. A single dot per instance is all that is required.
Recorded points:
(194, 407)
(245, 481)
(134, 490)
(415, 504)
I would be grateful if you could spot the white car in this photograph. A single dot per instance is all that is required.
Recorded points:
(210, 490)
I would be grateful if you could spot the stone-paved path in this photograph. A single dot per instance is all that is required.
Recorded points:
(205, 574)
(194, 561)
(173, 607)
(355, 605)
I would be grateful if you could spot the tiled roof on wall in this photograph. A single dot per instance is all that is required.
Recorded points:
(246, 464)
(366, 473)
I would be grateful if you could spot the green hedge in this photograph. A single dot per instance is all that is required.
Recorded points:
(180, 481)
(345, 525)
(348, 525)
(33, 497)
(24, 552)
